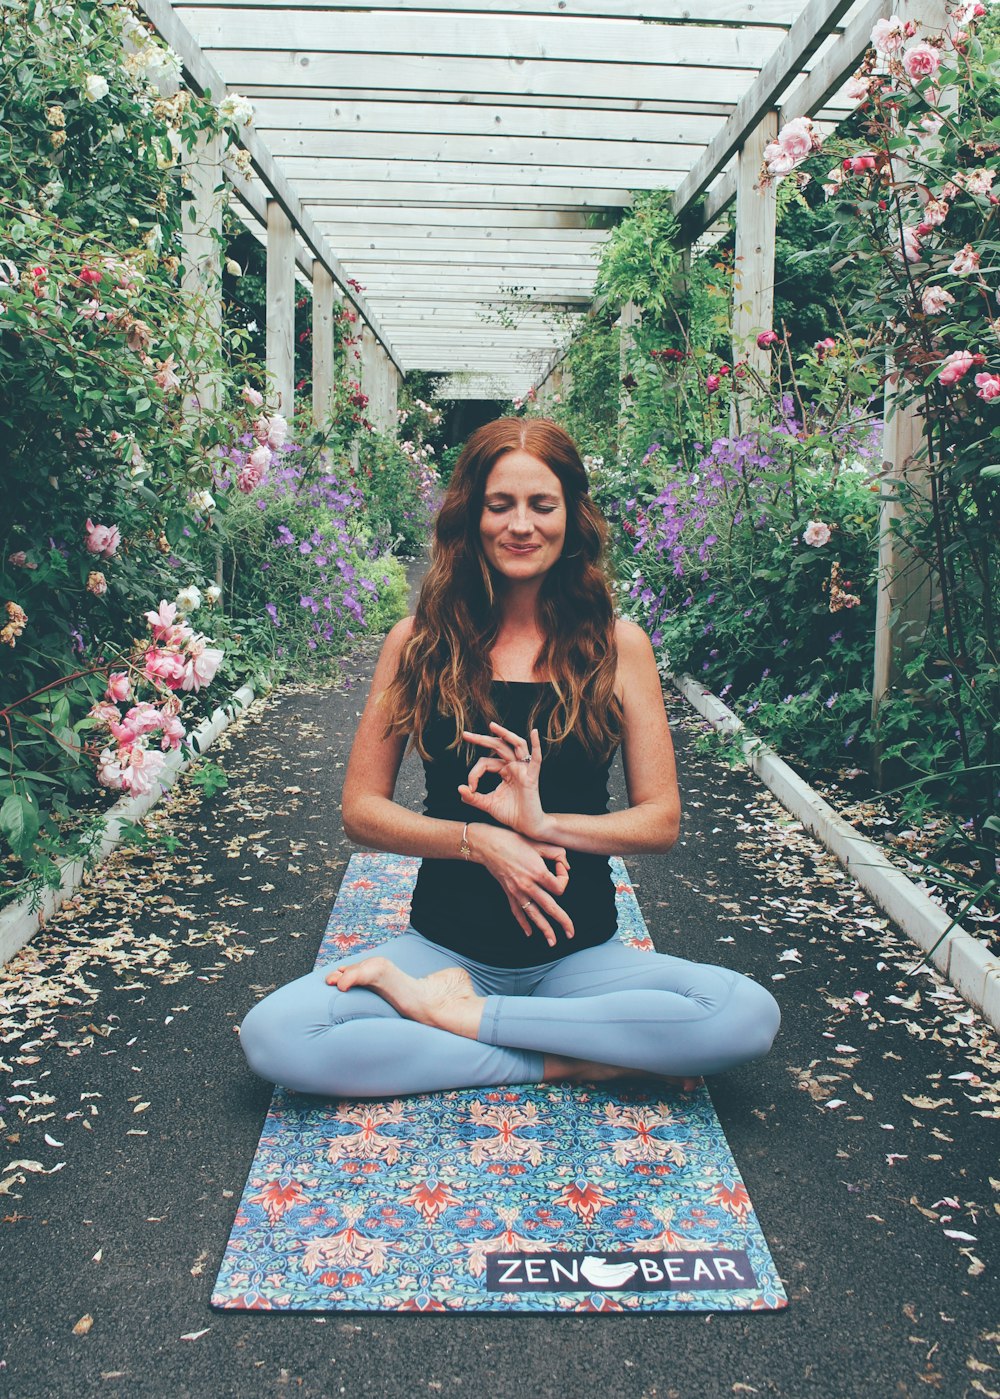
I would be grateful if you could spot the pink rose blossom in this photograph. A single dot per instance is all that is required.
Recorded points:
(97, 583)
(712, 382)
(252, 396)
(823, 347)
(766, 338)
(104, 713)
(857, 88)
(165, 666)
(260, 457)
(261, 428)
(91, 311)
(249, 478)
(988, 386)
(165, 376)
(817, 534)
(173, 732)
(966, 260)
(955, 366)
(277, 431)
(966, 13)
(777, 160)
(935, 212)
(921, 61)
(798, 139)
(161, 623)
(888, 35)
(102, 539)
(109, 770)
(119, 687)
(858, 163)
(934, 300)
(979, 181)
(141, 769)
(203, 662)
(910, 246)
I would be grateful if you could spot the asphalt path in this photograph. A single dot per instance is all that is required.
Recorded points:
(867, 1139)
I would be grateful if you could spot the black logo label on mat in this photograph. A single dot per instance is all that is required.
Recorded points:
(714, 1270)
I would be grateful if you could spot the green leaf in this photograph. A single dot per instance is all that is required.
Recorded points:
(19, 823)
(990, 471)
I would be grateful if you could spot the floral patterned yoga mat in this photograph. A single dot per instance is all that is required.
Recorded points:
(530, 1199)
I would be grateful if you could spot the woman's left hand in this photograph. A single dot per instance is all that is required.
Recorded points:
(515, 802)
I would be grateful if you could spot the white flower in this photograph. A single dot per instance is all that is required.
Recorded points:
(189, 598)
(96, 87)
(233, 267)
(203, 501)
(236, 109)
(212, 594)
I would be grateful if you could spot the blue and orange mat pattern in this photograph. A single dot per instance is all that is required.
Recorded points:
(545, 1198)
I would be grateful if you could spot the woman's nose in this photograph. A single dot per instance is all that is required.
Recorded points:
(520, 522)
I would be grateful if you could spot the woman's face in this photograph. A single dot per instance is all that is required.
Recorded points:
(523, 522)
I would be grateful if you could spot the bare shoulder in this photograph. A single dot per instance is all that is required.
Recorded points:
(392, 650)
(634, 648)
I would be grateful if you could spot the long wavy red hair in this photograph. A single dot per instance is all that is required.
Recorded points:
(445, 665)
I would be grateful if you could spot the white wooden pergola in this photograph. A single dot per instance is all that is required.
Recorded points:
(451, 159)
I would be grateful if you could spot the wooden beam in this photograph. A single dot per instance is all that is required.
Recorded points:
(202, 77)
(494, 149)
(201, 228)
(388, 73)
(434, 34)
(318, 194)
(818, 19)
(304, 175)
(740, 12)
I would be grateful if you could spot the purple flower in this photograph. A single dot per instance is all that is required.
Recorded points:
(272, 612)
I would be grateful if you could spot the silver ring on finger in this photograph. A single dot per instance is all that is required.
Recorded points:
(529, 904)
(525, 760)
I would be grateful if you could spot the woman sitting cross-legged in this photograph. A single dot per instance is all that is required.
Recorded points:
(516, 684)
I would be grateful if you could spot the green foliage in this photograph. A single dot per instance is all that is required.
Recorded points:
(209, 777)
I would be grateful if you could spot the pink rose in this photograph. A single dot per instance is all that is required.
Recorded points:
(173, 732)
(249, 478)
(261, 428)
(921, 61)
(165, 376)
(766, 338)
(141, 770)
(816, 533)
(165, 666)
(162, 625)
(934, 300)
(823, 347)
(979, 181)
(777, 160)
(712, 382)
(888, 35)
(278, 431)
(97, 584)
(798, 139)
(109, 770)
(102, 539)
(966, 260)
(250, 395)
(857, 88)
(260, 457)
(988, 386)
(935, 212)
(203, 662)
(119, 687)
(910, 246)
(104, 713)
(955, 366)
(858, 163)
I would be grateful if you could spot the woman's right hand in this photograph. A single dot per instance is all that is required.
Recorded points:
(518, 865)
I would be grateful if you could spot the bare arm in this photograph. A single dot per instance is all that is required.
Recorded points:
(371, 817)
(649, 823)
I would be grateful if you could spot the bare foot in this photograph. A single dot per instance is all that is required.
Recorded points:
(445, 999)
(558, 1070)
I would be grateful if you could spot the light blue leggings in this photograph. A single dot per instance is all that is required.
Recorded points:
(610, 1004)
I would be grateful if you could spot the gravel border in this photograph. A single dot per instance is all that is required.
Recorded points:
(961, 957)
(20, 921)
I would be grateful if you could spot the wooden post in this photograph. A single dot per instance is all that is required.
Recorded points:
(280, 352)
(627, 321)
(904, 599)
(753, 279)
(201, 228)
(322, 344)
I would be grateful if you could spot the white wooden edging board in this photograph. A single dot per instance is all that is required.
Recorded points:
(19, 922)
(962, 958)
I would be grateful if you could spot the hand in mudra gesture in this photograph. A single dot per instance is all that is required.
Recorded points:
(515, 802)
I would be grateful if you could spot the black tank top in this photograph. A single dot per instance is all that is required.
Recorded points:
(457, 903)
